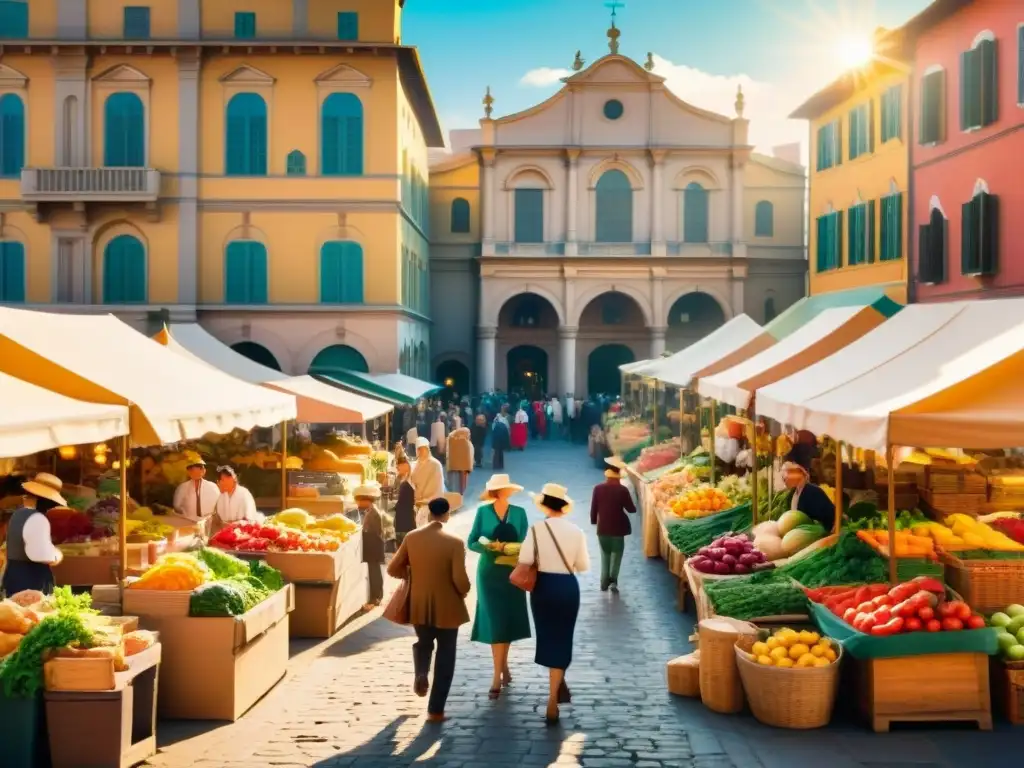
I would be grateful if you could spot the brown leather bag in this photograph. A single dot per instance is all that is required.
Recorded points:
(523, 575)
(397, 609)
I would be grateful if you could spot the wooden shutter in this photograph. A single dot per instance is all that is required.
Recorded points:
(821, 241)
(932, 106)
(330, 273)
(12, 272)
(354, 144)
(854, 148)
(136, 23)
(853, 235)
(871, 232)
(837, 141)
(988, 76)
(987, 212)
(695, 214)
(348, 26)
(12, 135)
(13, 20)
(352, 273)
(966, 59)
(969, 238)
(257, 160)
(245, 25)
(837, 253)
(529, 215)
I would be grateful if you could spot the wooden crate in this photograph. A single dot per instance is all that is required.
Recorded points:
(954, 479)
(1007, 681)
(938, 505)
(908, 689)
(986, 585)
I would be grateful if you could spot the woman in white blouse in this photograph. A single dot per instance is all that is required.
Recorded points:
(559, 550)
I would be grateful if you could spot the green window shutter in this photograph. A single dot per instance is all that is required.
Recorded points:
(330, 272)
(886, 118)
(854, 133)
(136, 23)
(695, 214)
(460, 216)
(764, 219)
(352, 274)
(13, 19)
(852, 239)
(837, 258)
(348, 26)
(932, 119)
(124, 131)
(968, 238)
(820, 240)
(124, 271)
(245, 25)
(614, 208)
(869, 251)
(966, 59)
(896, 112)
(246, 136)
(246, 267)
(529, 213)
(896, 246)
(988, 75)
(988, 233)
(837, 142)
(296, 163)
(342, 137)
(870, 117)
(12, 135)
(12, 272)
(820, 149)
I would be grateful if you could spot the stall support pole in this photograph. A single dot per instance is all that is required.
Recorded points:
(122, 532)
(284, 465)
(890, 455)
(681, 453)
(753, 447)
(839, 487)
(387, 431)
(712, 426)
(654, 397)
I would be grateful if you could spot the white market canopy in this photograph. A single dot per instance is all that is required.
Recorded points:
(41, 420)
(831, 330)
(720, 349)
(99, 359)
(316, 402)
(955, 383)
(636, 367)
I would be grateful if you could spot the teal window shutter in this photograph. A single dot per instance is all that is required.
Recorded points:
(245, 268)
(341, 140)
(854, 133)
(12, 272)
(933, 87)
(695, 213)
(352, 274)
(124, 131)
(348, 25)
(821, 226)
(614, 209)
(13, 19)
(892, 227)
(136, 22)
(296, 165)
(988, 75)
(12, 135)
(853, 244)
(870, 248)
(124, 271)
(245, 25)
(460, 216)
(529, 213)
(246, 136)
(341, 273)
(764, 219)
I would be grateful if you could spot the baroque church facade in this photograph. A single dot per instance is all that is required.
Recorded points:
(610, 223)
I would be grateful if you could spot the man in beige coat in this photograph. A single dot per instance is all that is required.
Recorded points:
(435, 564)
(460, 458)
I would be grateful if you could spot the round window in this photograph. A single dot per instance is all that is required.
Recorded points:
(613, 109)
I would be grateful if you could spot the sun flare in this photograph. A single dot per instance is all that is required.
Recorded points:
(855, 51)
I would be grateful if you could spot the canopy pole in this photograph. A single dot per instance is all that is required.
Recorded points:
(654, 398)
(387, 431)
(891, 472)
(712, 426)
(839, 487)
(681, 422)
(753, 488)
(284, 465)
(122, 533)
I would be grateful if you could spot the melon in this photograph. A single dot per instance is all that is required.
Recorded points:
(791, 520)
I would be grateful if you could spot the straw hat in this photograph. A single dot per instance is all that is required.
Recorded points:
(792, 466)
(499, 483)
(366, 492)
(46, 486)
(194, 460)
(615, 467)
(554, 491)
(422, 442)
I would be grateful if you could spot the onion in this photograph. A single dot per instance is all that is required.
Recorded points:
(716, 553)
(740, 568)
(703, 565)
(703, 551)
(722, 569)
(748, 558)
(729, 559)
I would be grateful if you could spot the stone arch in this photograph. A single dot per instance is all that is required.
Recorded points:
(246, 232)
(305, 356)
(526, 172)
(691, 317)
(257, 334)
(457, 355)
(636, 179)
(106, 232)
(494, 307)
(345, 232)
(675, 295)
(258, 353)
(699, 174)
(638, 296)
(326, 360)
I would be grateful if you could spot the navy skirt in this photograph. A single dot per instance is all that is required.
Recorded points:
(555, 603)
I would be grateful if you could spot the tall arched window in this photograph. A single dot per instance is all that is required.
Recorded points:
(124, 271)
(764, 219)
(12, 135)
(12, 272)
(695, 213)
(338, 357)
(341, 272)
(460, 216)
(124, 131)
(614, 209)
(245, 273)
(246, 138)
(341, 141)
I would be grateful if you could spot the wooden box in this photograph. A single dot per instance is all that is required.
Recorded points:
(1008, 689)
(930, 688)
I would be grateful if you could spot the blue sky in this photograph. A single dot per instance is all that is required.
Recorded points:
(780, 50)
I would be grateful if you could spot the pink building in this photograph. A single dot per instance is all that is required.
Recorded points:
(967, 152)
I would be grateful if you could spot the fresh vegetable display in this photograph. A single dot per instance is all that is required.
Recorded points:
(787, 536)
(1009, 625)
(790, 649)
(865, 515)
(702, 501)
(1010, 525)
(691, 536)
(743, 598)
(657, 456)
(249, 536)
(737, 489)
(670, 485)
(180, 572)
(900, 544)
(848, 561)
(728, 555)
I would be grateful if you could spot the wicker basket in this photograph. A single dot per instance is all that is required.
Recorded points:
(986, 585)
(720, 687)
(683, 674)
(955, 479)
(941, 504)
(789, 698)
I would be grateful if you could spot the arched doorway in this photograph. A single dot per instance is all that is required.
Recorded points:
(603, 376)
(527, 371)
(257, 353)
(338, 357)
(692, 317)
(455, 377)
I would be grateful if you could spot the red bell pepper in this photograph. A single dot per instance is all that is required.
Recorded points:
(892, 627)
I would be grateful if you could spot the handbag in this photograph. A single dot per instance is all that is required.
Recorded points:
(397, 610)
(524, 575)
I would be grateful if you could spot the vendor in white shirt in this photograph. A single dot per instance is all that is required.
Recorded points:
(427, 478)
(235, 503)
(196, 498)
(30, 551)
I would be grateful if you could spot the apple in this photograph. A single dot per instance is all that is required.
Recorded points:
(1015, 610)
(999, 619)
(1020, 637)
(1015, 653)
(1006, 641)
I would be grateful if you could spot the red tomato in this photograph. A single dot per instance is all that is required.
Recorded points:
(901, 592)
(882, 615)
(976, 622)
(963, 611)
(952, 624)
(927, 613)
(912, 624)
(906, 609)
(849, 615)
(933, 625)
(947, 610)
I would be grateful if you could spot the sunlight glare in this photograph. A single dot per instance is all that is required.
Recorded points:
(855, 51)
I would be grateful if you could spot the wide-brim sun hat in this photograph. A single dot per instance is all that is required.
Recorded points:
(366, 492)
(615, 467)
(422, 442)
(46, 486)
(554, 491)
(499, 483)
(792, 466)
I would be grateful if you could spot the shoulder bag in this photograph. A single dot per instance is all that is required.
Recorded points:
(397, 609)
(524, 575)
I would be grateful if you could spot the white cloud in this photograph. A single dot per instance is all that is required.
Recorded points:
(542, 77)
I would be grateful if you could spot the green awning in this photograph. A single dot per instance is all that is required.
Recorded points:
(807, 309)
(395, 388)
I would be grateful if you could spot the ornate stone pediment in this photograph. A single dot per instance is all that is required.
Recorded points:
(344, 75)
(247, 75)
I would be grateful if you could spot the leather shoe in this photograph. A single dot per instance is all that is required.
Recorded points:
(421, 686)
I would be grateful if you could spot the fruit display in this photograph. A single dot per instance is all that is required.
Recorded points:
(1009, 625)
(1010, 525)
(690, 537)
(657, 456)
(961, 533)
(251, 536)
(900, 544)
(670, 485)
(728, 555)
(703, 501)
(625, 436)
(174, 572)
(737, 489)
(789, 649)
(791, 533)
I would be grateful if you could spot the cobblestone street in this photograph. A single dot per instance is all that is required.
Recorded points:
(348, 701)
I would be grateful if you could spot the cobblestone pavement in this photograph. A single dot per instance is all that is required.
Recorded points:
(348, 701)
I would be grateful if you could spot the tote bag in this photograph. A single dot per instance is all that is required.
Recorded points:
(524, 575)
(397, 609)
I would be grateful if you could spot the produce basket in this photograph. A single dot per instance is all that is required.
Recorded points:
(720, 688)
(954, 479)
(683, 674)
(788, 698)
(939, 505)
(986, 585)
(1008, 689)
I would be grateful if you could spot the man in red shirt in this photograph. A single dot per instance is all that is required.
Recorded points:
(608, 507)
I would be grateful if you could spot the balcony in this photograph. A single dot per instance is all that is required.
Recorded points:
(90, 185)
(699, 250)
(529, 249)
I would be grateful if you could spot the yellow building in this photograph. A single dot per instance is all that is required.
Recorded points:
(260, 165)
(859, 160)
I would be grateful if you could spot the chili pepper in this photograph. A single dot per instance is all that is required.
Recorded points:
(892, 627)
(929, 584)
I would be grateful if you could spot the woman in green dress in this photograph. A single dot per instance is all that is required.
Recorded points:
(501, 615)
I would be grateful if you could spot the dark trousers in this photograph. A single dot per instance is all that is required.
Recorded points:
(499, 459)
(376, 582)
(444, 663)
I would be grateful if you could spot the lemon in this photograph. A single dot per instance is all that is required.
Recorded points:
(830, 655)
(821, 661)
(818, 650)
(807, 660)
(778, 653)
(772, 643)
(786, 663)
(760, 649)
(809, 638)
(765, 661)
(797, 650)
